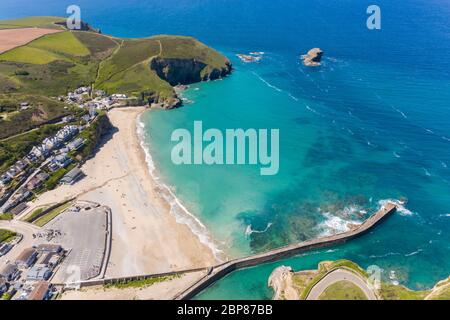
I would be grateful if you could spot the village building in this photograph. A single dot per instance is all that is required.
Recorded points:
(38, 273)
(5, 248)
(75, 144)
(40, 291)
(3, 286)
(72, 176)
(9, 272)
(5, 179)
(26, 258)
(62, 160)
(21, 207)
(49, 248)
(37, 181)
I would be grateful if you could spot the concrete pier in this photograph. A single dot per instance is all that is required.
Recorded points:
(220, 271)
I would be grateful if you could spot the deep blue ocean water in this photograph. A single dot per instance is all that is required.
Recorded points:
(372, 123)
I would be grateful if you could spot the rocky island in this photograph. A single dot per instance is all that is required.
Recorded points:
(313, 58)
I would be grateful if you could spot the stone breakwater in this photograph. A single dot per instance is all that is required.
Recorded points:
(219, 271)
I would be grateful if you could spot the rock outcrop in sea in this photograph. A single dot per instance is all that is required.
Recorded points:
(313, 58)
(280, 281)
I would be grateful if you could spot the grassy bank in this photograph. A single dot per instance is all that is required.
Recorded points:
(142, 283)
(6, 235)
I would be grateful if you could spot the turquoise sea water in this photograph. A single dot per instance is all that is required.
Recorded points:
(372, 123)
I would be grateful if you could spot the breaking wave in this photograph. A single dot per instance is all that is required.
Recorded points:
(400, 206)
(249, 230)
(177, 209)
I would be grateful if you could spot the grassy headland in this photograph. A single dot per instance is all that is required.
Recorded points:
(144, 68)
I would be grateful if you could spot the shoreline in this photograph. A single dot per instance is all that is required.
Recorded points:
(168, 196)
(146, 237)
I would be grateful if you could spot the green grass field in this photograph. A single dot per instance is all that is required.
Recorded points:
(49, 216)
(30, 55)
(61, 43)
(6, 235)
(130, 53)
(42, 22)
(392, 292)
(343, 290)
(142, 283)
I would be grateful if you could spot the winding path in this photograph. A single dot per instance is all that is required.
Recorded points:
(336, 276)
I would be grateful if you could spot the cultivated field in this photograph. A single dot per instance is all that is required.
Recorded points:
(12, 38)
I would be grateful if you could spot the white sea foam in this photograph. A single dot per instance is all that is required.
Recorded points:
(413, 253)
(445, 138)
(399, 111)
(400, 206)
(384, 255)
(396, 154)
(313, 110)
(249, 230)
(293, 97)
(443, 164)
(334, 224)
(267, 83)
(427, 173)
(180, 212)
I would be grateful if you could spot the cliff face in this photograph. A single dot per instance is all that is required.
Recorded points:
(187, 71)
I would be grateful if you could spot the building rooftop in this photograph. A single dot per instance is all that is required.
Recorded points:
(25, 255)
(48, 247)
(40, 291)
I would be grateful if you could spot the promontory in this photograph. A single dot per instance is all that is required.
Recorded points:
(52, 60)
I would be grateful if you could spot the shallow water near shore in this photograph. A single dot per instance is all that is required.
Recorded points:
(371, 124)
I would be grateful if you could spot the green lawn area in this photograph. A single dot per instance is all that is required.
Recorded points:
(343, 290)
(33, 215)
(326, 267)
(142, 283)
(392, 292)
(28, 54)
(6, 235)
(6, 216)
(61, 42)
(46, 218)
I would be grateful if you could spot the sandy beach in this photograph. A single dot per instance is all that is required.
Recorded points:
(146, 236)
